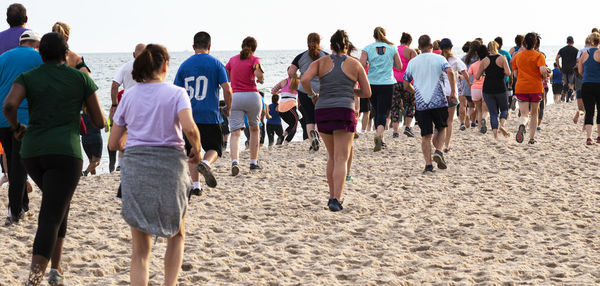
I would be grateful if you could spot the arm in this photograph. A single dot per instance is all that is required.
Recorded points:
(278, 87)
(452, 81)
(484, 64)
(363, 59)
(114, 91)
(191, 133)
(544, 71)
(260, 75)
(292, 70)
(466, 76)
(93, 108)
(558, 62)
(117, 138)
(15, 96)
(397, 62)
(363, 81)
(412, 54)
(582, 59)
(505, 66)
(228, 96)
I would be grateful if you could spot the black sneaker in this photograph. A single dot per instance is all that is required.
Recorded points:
(438, 157)
(473, 124)
(483, 128)
(196, 192)
(235, 169)
(255, 167)
(11, 220)
(315, 141)
(395, 135)
(462, 127)
(428, 169)
(118, 169)
(383, 145)
(334, 205)
(279, 140)
(224, 145)
(408, 132)
(209, 178)
(247, 144)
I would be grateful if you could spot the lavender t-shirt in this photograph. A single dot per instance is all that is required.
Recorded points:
(9, 38)
(149, 112)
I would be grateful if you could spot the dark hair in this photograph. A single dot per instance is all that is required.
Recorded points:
(314, 41)
(594, 30)
(465, 47)
(16, 15)
(248, 46)
(499, 41)
(530, 40)
(473, 48)
(202, 40)
(555, 65)
(351, 47)
(519, 40)
(339, 41)
(482, 52)
(406, 38)
(149, 62)
(480, 40)
(53, 47)
(274, 98)
(538, 40)
(424, 42)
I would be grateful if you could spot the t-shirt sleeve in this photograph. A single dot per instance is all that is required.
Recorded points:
(178, 78)
(119, 77)
(183, 101)
(222, 74)
(228, 66)
(296, 60)
(89, 87)
(20, 80)
(541, 62)
(444, 63)
(255, 61)
(460, 65)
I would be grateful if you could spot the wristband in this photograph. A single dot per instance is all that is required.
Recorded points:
(313, 95)
(114, 105)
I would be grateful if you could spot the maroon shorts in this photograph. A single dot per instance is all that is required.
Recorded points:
(337, 118)
(529, 97)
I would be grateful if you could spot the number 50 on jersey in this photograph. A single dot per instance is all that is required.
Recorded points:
(193, 89)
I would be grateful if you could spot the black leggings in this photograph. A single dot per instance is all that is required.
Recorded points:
(381, 100)
(18, 200)
(291, 118)
(57, 176)
(272, 130)
(590, 92)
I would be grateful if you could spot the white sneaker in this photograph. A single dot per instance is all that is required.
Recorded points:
(55, 279)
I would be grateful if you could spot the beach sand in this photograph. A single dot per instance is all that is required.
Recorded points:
(502, 213)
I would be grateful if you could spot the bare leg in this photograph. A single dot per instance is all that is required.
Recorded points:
(350, 158)
(462, 110)
(533, 120)
(234, 144)
(396, 126)
(438, 139)
(254, 139)
(342, 142)
(140, 256)
(328, 140)
(588, 130)
(524, 110)
(501, 128)
(37, 270)
(407, 121)
(478, 111)
(451, 112)
(174, 256)
(426, 148)
(57, 254)
(365, 121)
(309, 128)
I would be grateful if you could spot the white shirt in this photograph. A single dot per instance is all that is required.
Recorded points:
(124, 75)
(457, 66)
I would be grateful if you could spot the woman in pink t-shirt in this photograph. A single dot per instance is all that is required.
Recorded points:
(244, 72)
(477, 90)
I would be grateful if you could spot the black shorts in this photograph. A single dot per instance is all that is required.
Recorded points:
(94, 150)
(211, 138)
(365, 105)
(307, 107)
(428, 118)
(557, 88)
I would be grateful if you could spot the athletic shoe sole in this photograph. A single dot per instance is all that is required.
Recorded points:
(315, 141)
(520, 134)
(408, 133)
(378, 145)
(439, 160)
(483, 129)
(209, 178)
(235, 170)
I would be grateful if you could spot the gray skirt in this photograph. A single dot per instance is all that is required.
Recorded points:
(155, 183)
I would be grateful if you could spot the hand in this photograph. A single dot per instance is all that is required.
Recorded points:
(227, 111)
(194, 157)
(261, 81)
(314, 99)
(356, 113)
(19, 132)
(453, 97)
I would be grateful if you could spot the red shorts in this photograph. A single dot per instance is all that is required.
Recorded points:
(529, 97)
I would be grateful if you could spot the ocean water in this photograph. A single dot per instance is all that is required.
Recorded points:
(104, 66)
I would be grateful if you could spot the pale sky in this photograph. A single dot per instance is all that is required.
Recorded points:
(116, 26)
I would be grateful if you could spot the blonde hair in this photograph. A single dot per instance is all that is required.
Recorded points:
(294, 82)
(379, 35)
(594, 38)
(62, 28)
(492, 47)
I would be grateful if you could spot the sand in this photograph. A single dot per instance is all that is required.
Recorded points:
(503, 213)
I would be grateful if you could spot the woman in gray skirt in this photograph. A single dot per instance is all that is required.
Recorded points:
(148, 125)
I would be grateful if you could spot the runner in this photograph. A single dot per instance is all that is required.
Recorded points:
(274, 122)
(477, 90)
(92, 144)
(50, 149)
(469, 106)
(202, 76)
(334, 110)
(403, 101)
(458, 67)
(73, 59)
(288, 90)
(244, 69)
(578, 84)
(12, 64)
(381, 57)
(530, 69)
(568, 54)
(425, 71)
(518, 45)
(557, 83)
(301, 62)
(154, 174)
(496, 69)
(16, 17)
(589, 66)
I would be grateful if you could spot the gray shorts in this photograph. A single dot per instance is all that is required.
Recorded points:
(245, 103)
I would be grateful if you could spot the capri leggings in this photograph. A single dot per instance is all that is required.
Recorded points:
(496, 102)
(381, 99)
(590, 91)
(291, 118)
(57, 176)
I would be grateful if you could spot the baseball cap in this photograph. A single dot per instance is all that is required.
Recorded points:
(445, 43)
(570, 39)
(30, 35)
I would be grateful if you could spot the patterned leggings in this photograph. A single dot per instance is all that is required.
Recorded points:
(402, 101)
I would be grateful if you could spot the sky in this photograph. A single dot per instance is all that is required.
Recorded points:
(116, 26)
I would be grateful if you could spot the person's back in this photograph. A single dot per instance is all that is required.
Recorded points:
(241, 72)
(425, 71)
(16, 17)
(591, 68)
(275, 117)
(529, 77)
(302, 62)
(556, 76)
(568, 54)
(337, 89)
(494, 76)
(381, 63)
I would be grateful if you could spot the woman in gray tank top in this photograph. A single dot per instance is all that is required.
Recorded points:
(334, 109)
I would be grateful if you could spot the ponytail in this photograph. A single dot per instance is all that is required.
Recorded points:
(294, 82)
(379, 35)
(248, 46)
(313, 42)
(405, 39)
(61, 28)
(339, 41)
(149, 62)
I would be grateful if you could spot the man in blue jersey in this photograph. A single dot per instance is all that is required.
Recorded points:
(12, 63)
(202, 75)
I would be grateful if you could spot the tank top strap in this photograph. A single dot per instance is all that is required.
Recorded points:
(591, 52)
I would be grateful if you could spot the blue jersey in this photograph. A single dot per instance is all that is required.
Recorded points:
(556, 76)
(275, 118)
(13, 63)
(202, 75)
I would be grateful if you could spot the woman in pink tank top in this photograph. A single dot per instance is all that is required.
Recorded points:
(403, 103)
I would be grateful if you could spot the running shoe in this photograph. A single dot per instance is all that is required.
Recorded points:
(356, 135)
(378, 146)
(383, 145)
(255, 167)
(118, 169)
(538, 129)
(532, 142)
(438, 157)
(483, 128)
(408, 132)
(11, 220)
(334, 205)
(395, 135)
(247, 144)
(428, 169)
(235, 169)
(279, 140)
(589, 142)
(315, 141)
(462, 127)
(195, 192)
(473, 124)
(348, 177)
(520, 133)
(447, 149)
(55, 279)
(209, 178)
(85, 173)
